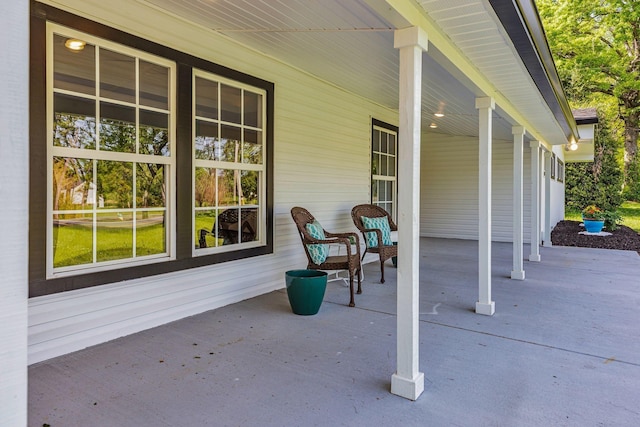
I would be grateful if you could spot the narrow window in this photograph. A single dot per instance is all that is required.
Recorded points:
(384, 149)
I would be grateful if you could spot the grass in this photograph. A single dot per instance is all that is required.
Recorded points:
(73, 242)
(630, 212)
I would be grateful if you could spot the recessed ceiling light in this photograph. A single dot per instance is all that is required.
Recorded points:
(74, 44)
(433, 125)
(439, 114)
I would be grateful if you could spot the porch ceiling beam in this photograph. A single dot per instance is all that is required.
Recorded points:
(408, 381)
(485, 108)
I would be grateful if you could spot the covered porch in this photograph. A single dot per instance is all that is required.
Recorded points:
(562, 350)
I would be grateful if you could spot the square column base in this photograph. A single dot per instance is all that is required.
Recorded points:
(406, 387)
(486, 309)
(534, 258)
(517, 275)
(547, 244)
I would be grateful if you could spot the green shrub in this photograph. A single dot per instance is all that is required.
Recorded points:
(612, 219)
(632, 186)
(599, 182)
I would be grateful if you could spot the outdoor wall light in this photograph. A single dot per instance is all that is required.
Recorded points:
(74, 44)
(573, 146)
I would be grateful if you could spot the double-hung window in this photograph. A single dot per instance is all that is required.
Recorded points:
(384, 149)
(229, 167)
(110, 164)
(145, 160)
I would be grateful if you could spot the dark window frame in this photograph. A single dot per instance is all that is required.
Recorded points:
(378, 123)
(560, 176)
(553, 166)
(184, 259)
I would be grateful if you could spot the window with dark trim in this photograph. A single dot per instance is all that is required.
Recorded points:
(384, 162)
(560, 171)
(113, 126)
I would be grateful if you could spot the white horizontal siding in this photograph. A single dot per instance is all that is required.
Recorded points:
(449, 188)
(322, 157)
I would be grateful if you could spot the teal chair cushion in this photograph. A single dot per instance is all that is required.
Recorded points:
(318, 253)
(382, 224)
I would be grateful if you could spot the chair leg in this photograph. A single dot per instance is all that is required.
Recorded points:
(352, 303)
(360, 280)
(382, 271)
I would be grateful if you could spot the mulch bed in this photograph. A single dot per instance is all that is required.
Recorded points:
(566, 233)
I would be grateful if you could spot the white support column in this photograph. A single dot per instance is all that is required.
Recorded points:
(535, 201)
(14, 192)
(408, 381)
(546, 232)
(484, 305)
(517, 272)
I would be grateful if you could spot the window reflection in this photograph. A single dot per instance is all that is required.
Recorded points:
(117, 128)
(72, 239)
(150, 185)
(205, 142)
(154, 133)
(115, 184)
(74, 70)
(73, 187)
(114, 236)
(231, 104)
(74, 122)
(154, 85)
(117, 76)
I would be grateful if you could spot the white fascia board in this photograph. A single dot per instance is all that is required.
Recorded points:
(415, 16)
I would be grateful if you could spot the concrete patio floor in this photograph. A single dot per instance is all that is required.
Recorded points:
(563, 349)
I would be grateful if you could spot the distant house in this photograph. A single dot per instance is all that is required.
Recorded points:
(449, 114)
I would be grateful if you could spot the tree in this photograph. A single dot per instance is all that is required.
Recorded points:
(596, 46)
(598, 182)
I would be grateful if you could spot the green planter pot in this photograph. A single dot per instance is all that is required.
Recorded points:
(305, 289)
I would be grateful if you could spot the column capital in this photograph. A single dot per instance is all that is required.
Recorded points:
(547, 154)
(412, 36)
(518, 130)
(486, 102)
(534, 144)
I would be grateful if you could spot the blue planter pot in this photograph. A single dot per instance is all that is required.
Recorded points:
(305, 289)
(593, 226)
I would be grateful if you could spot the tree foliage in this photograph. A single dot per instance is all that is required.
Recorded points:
(598, 182)
(596, 46)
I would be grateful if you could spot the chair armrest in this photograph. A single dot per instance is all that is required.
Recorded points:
(347, 236)
(378, 233)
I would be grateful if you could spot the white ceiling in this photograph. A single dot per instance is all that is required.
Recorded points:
(348, 43)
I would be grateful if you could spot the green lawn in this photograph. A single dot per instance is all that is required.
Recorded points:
(630, 212)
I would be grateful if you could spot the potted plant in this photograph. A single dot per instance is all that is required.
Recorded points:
(593, 219)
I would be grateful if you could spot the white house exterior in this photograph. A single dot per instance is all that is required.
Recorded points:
(324, 74)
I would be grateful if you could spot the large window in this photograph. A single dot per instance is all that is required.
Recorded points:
(384, 149)
(144, 159)
(229, 162)
(110, 154)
